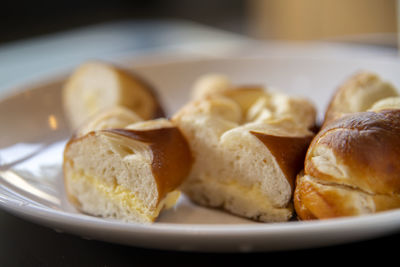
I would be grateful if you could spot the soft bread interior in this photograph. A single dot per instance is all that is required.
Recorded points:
(100, 199)
(233, 169)
(109, 174)
(277, 106)
(107, 160)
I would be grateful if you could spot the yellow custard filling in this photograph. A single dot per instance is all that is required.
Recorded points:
(125, 198)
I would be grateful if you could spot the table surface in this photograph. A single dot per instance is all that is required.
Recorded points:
(23, 243)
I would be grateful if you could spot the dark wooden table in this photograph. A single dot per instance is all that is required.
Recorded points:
(23, 243)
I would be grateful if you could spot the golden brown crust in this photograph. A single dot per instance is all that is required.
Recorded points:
(313, 199)
(171, 155)
(313, 203)
(158, 111)
(310, 204)
(366, 148)
(368, 143)
(289, 152)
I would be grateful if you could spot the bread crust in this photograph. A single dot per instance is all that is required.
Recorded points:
(289, 152)
(358, 170)
(352, 166)
(128, 77)
(368, 143)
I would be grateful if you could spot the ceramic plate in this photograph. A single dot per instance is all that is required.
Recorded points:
(34, 132)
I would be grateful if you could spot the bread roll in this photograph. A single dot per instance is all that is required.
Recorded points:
(96, 85)
(352, 167)
(248, 146)
(129, 174)
(358, 94)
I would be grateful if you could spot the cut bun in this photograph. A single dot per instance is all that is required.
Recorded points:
(95, 86)
(248, 146)
(129, 174)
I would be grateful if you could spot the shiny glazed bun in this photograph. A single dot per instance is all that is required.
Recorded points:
(352, 166)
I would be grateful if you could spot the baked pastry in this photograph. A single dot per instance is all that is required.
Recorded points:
(130, 173)
(96, 85)
(352, 165)
(358, 94)
(248, 146)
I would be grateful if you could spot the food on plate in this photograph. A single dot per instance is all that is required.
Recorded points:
(248, 144)
(238, 148)
(352, 166)
(96, 85)
(129, 173)
(210, 84)
(358, 94)
(386, 103)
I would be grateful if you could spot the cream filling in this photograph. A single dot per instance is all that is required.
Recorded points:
(247, 201)
(122, 196)
(251, 193)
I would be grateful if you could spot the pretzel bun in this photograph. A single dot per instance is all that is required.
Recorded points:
(95, 85)
(248, 146)
(358, 94)
(130, 173)
(352, 167)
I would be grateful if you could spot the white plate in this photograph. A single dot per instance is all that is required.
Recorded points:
(31, 156)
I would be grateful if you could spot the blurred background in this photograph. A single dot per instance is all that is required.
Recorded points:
(363, 21)
(42, 37)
